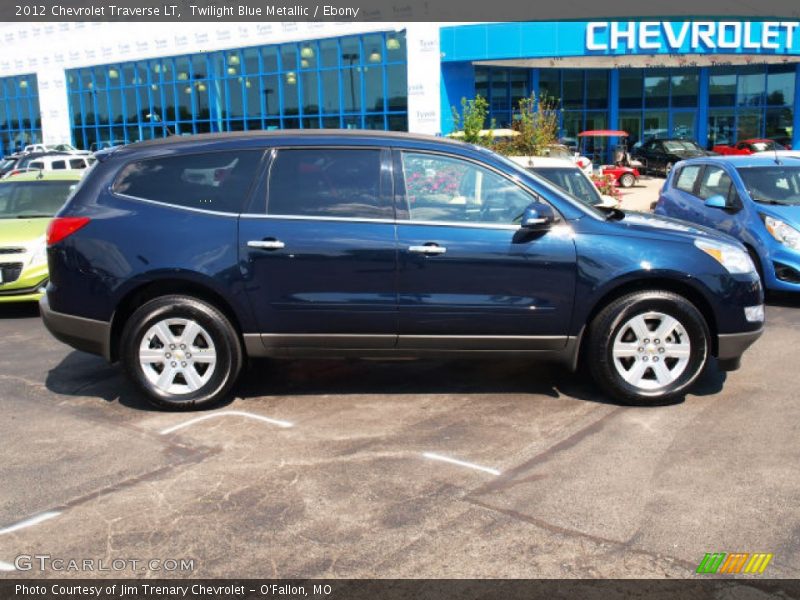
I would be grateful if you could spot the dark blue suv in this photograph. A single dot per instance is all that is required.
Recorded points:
(182, 257)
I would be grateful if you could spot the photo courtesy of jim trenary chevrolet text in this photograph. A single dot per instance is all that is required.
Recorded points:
(390, 299)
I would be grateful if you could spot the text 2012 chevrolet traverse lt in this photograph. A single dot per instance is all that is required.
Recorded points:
(182, 257)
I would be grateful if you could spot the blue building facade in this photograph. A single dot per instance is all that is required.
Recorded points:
(713, 81)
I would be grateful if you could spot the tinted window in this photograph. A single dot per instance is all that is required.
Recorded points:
(76, 163)
(328, 183)
(441, 188)
(715, 182)
(686, 178)
(36, 165)
(213, 181)
(58, 165)
(780, 183)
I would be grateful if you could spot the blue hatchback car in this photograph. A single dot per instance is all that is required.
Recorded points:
(181, 258)
(755, 199)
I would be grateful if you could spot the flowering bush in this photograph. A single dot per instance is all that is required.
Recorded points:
(421, 180)
(607, 185)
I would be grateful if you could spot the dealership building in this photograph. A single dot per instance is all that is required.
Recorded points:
(95, 84)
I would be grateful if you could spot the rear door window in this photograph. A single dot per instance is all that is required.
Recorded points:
(77, 163)
(218, 181)
(686, 178)
(321, 182)
(58, 165)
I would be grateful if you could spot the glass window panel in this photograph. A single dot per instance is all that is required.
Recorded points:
(748, 124)
(329, 53)
(234, 98)
(328, 183)
(780, 87)
(289, 83)
(481, 82)
(631, 91)
(722, 87)
(373, 81)
(684, 89)
(656, 89)
(397, 94)
(310, 93)
(779, 125)
(499, 92)
(269, 59)
(374, 49)
(182, 72)
(212, 181)
(330, 91)
(331, 123)
(597, 89)
(445, 189)
(374, 122)
(683, 124)
(289, 57)
(252, 100)
(573, 89)
(520, 87)
(250, 57)
(309, 58)
(351, 86)
(396, 46)
(721, 127)
(269, 89)
(656, 125)
(115, 102)
(751, 85)
(631, 122)
(351, 51)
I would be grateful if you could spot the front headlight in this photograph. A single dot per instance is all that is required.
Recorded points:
(39, 253)
(735, 260)
(785, 234)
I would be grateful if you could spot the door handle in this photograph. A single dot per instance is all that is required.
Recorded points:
(427, 249)
(266, 244)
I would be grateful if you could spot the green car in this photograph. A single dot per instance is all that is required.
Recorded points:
(27, 203)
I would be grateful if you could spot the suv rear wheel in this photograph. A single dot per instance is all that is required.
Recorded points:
(648, 347)
(181, 352)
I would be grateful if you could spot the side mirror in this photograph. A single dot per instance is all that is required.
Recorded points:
(717, 201)
(538, 216)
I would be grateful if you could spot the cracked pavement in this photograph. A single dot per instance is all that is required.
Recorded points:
(587, 488)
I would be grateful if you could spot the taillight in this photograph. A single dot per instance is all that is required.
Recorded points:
(62, 227)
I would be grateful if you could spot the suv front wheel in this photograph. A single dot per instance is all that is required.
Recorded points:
(648, 347)
(181, 352)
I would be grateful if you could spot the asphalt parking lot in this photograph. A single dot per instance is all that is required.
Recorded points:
(340, 469)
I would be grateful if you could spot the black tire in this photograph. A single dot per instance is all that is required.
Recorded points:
(226, 346)
(627, 180)
(609, 323)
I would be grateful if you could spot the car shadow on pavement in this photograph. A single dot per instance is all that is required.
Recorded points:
(84, 375)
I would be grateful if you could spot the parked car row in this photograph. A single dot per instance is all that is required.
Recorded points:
(49, 160)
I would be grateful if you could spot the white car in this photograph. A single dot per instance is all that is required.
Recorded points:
(64, 148)
(564, 173)
(54, 162)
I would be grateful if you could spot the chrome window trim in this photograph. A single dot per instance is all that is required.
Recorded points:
(175, 206)
(383, 221)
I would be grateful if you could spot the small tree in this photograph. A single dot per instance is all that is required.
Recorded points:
(471, 120)
(536, 124)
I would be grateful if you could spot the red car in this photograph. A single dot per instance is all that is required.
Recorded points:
(750, 146)
(623, 176)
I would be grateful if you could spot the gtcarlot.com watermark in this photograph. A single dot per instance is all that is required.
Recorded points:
(46, 562)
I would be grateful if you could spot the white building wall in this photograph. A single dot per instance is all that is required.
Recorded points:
(48, 49)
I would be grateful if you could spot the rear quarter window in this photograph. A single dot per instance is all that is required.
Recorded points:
(218, 181)
(686, 178)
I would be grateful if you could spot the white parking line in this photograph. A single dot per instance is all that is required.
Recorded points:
(29, 522)
(227, 413)
(460, 463)
(4, 566)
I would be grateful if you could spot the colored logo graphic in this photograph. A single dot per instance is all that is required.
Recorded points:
(737, 562)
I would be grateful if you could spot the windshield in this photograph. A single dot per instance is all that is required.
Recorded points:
(32, 199)
(681, 146)
(778, 184)
(764, 146)
(572, 181)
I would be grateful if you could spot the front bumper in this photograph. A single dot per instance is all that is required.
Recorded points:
(29, 287)
(83, 334)
(731, 346)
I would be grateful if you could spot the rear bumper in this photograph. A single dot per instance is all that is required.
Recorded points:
(83, 334)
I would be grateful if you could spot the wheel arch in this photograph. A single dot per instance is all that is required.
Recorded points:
(666, 284)
(149, 290)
